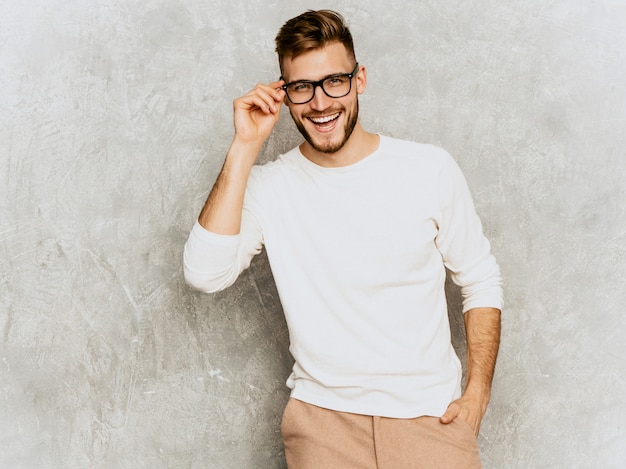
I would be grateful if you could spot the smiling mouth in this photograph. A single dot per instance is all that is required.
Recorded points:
(325, 120)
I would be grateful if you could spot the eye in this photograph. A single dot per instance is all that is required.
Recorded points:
(300, 87)
(336, 81)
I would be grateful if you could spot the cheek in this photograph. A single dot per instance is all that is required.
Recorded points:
(296, 116)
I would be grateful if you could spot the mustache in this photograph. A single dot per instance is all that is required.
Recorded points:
(327, 112)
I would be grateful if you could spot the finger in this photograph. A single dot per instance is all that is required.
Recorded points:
(451, 413)
(258, 98)
(275, 91)
(272, 94)
(277, 84)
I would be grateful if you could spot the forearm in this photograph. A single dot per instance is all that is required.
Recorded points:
(482, 327)
(255, 115)
(221, 213)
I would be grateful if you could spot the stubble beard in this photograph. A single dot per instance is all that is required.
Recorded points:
(330, 147)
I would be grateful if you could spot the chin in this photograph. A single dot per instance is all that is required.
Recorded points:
(329, 145)
(326, 147)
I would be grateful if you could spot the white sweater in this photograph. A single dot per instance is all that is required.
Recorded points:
(358, 257)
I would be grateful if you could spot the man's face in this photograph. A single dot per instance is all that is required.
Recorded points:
(326, 123)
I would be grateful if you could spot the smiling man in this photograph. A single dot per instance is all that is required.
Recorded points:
(331, 123)
(359, 229)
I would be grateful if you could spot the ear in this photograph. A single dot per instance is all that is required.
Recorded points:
(361, 80)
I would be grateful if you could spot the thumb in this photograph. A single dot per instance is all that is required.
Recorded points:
(451, 413)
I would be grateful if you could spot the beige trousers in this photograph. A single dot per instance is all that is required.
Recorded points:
(317, 438)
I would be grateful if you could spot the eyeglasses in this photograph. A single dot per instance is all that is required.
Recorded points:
(335, 86)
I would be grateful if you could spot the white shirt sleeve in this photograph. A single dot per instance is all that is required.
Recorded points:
(212, 262)
(465, 250)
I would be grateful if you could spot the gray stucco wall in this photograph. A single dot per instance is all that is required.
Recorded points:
(114, 119)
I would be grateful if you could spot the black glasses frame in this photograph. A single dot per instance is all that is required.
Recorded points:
(320, 83)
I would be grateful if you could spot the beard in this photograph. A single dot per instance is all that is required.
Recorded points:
(330, 147)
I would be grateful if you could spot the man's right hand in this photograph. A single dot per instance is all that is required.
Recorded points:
(256, 113)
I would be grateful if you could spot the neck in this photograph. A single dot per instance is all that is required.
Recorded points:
(360, 145)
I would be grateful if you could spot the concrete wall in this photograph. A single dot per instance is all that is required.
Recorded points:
(114, 119)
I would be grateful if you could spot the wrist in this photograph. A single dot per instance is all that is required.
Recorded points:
(242, 155)
(246, 146)
(480, 393)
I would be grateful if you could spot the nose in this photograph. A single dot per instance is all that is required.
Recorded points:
(321, 100)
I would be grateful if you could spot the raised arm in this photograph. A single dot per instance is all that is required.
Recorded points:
(217, 250)
(255, 116)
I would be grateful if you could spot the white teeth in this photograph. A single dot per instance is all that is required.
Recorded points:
(323, 120)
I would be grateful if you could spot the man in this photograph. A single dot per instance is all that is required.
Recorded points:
(358, 229)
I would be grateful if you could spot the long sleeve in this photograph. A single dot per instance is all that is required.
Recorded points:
(465, 250)
(212, 262)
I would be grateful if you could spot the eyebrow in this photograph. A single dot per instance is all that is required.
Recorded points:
(321, 79)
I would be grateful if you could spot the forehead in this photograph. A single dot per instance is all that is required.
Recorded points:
(318, 63)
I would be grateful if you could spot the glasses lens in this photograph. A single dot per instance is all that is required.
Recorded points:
(337, 86)
(300, 92)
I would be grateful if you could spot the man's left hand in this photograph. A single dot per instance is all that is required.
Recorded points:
(469, 410)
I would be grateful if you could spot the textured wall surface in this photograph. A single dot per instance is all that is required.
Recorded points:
(114, 119)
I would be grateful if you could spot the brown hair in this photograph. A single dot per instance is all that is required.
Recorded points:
(312, 30)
